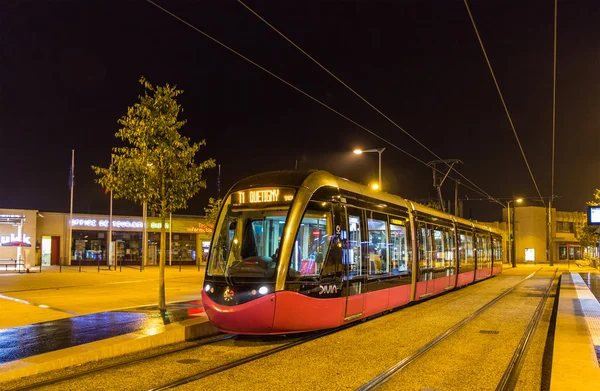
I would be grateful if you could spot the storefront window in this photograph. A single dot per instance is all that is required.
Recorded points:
(184, 247)
(89, 246)
(128, 246)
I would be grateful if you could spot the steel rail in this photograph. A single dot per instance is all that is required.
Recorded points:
(236, 363)
(390, 372)
(509, 379)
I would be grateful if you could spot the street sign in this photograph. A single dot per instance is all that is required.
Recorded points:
(594, 215)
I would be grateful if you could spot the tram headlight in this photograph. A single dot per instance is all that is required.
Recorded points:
(263, 290)
(207, 288)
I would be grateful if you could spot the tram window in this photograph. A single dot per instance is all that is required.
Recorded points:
(378, 248)
(247, 241)
(497, 248)
(450, 249)
(354, 245)
(467, 259)
(438, 251)
(426, 252)
(482, 252)
(312, 241)
(399, 249)
(267, 233)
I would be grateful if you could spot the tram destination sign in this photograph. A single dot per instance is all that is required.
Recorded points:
(264, 196)
(594, 215)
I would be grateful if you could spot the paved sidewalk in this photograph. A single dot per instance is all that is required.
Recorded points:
(27, 298)
(57, 319)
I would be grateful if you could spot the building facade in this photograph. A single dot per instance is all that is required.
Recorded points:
(187, 240)
(535, 241)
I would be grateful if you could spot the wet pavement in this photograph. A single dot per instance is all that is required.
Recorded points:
(25, 341)
(592, 280)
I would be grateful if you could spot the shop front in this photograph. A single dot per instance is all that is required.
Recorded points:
(184, 241)
(17, 238)
(90, 245)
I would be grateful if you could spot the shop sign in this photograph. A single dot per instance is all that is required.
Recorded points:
(201, 229)
(15, 240)
(104, 223)
(155, 225)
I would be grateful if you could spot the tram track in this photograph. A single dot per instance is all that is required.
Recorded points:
(99, 370)
(236, 363)
(511, 373)
(224, 364)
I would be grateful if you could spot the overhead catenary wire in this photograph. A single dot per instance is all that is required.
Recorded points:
(554, 100)
(307, 95)
(359, 96)
(502, 99)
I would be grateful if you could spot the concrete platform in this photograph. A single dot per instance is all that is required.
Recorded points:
(577, 337)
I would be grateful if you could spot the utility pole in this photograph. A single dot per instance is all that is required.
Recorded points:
(549, 243)
(438, 181)
(456, 212)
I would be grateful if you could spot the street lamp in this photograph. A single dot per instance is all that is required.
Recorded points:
(511, 231)
(379, 151)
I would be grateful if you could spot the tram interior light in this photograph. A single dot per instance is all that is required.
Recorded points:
(263, 290)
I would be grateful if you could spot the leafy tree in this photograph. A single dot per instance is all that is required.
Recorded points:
(435, 204)
(596, 201)
(156, 164)
(212, 211)
(587, 235)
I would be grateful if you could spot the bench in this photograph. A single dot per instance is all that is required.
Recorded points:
(15, 263)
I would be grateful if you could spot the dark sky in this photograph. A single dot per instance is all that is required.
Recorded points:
(69, 69)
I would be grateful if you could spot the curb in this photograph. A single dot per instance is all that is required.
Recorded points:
(185, 330)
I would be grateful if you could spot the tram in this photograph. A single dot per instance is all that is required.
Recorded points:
(297, 251)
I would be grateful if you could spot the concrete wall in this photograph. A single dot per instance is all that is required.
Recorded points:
(530, 232)
(53, 224)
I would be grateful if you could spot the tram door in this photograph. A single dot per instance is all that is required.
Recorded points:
(354, 266)
(425, 284)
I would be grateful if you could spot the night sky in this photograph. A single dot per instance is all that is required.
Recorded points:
(69, 70)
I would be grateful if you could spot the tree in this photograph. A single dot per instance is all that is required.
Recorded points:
(156, 165)
(587, 235)
(596, 201)
(434, 204)
(212, 211)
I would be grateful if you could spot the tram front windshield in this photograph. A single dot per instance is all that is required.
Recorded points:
(246, 241)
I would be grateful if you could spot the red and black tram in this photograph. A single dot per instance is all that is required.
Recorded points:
(297, 251)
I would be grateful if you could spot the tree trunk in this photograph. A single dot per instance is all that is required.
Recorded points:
(161, 271)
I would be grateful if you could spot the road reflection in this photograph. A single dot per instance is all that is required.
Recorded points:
(25, 341)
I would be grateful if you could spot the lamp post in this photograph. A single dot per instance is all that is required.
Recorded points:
(511, 231)
(379, 151)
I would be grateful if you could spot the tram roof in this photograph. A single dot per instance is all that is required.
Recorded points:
(313, 179)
